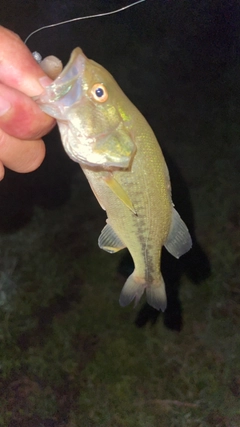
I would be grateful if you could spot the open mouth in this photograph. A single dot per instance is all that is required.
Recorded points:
(66, 90)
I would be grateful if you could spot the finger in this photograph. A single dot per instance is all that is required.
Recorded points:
(21, 156)
(18, 68)
(23, 119)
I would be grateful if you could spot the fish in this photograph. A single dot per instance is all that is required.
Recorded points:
(118, 152)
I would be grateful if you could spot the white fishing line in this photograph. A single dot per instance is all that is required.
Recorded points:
(83, 17)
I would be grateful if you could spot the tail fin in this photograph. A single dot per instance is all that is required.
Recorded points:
(133, 290)
(156, 296)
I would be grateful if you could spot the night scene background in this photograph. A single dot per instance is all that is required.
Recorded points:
(69, 354)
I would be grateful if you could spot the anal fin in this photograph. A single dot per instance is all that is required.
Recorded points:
(109, 240)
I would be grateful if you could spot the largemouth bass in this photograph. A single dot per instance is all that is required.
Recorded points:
(118, 152)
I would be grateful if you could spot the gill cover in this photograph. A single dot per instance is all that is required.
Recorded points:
(92, 131)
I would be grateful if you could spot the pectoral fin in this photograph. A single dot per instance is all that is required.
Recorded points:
(179, 240)
(119, 192)
(109, 240)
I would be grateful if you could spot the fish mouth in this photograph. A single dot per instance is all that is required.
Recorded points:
(66, 89)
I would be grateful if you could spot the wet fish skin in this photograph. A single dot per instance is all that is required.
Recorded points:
(105, 133)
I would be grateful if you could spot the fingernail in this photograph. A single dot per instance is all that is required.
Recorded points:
(45, 81)
(4, 106)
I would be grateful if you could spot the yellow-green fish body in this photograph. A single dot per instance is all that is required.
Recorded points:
(121, 158)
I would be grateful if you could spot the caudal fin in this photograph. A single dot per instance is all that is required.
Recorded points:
(133, 290)
(156, 296)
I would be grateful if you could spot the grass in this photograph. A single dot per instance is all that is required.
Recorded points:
(70, 354)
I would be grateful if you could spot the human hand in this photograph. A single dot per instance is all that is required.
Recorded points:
(22, 123)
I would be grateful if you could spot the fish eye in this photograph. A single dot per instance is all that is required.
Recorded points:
(99, 92)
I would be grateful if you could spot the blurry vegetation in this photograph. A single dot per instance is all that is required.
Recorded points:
(69, 355)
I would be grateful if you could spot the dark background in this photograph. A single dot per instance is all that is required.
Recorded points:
(168, 56)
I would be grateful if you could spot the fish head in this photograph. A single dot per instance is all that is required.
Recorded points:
(89, 108)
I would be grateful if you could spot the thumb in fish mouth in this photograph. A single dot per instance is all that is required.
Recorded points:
(52, 66)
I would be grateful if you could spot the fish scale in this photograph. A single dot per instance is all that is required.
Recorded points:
(118, 152)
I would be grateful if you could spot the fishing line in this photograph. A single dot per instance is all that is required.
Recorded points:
(81, 18)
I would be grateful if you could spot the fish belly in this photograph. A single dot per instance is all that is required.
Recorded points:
(144, 233)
